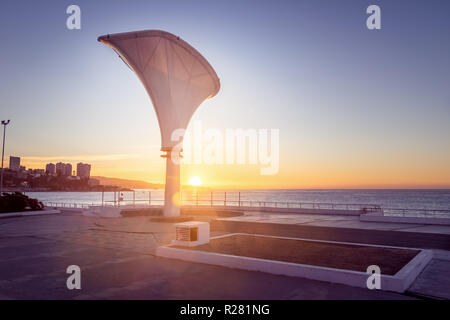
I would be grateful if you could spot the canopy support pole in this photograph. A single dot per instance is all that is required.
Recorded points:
(172, 188)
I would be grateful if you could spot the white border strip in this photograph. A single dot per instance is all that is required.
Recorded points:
(398, 282)
(28, 213)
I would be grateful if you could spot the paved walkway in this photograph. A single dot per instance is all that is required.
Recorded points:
(117, 261)
(434, 281)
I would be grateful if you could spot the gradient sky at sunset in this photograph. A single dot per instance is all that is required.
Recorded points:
(355, 107)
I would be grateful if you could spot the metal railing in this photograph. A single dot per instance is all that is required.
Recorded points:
(219, 203)
(225, 201)
(214, 202)
(72, 205)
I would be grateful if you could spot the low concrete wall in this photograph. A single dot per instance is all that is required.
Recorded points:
(235, 210)
(185, 211)
(155, 210)
(290, 210)
(72, 210)
(414, 220)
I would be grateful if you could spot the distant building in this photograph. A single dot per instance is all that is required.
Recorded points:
(50, 168)
(21, 173)
(63, 169)
(68, 170)
(60, 168)
(83, 170)
(14, 163)
(35, 172)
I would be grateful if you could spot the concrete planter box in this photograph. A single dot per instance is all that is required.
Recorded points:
(397, 283)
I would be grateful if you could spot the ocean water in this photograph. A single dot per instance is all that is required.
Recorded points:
(386, 198)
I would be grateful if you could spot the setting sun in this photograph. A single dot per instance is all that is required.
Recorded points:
(195, 181)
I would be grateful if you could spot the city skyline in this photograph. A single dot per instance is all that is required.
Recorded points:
(59, 168)
(356, 108)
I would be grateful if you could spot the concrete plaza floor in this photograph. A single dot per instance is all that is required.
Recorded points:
(117, 261)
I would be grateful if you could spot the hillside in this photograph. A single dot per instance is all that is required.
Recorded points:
(126, 183)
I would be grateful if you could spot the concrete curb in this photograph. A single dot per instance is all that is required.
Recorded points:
(28, 213)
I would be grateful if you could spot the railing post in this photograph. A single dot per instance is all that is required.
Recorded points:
(239, 198)
(225, 200)
(134, 198)
(149, 198)
(103, 197)
(211, 198)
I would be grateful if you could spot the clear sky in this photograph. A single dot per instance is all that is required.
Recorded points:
(355, 107)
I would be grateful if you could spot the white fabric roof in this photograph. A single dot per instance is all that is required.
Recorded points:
(176, 76)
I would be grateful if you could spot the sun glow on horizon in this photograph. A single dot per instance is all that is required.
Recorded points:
(195, 181)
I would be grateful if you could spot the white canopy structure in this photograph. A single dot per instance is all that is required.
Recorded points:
(178, 79)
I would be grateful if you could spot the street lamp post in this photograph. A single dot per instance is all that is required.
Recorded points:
(4, 124)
